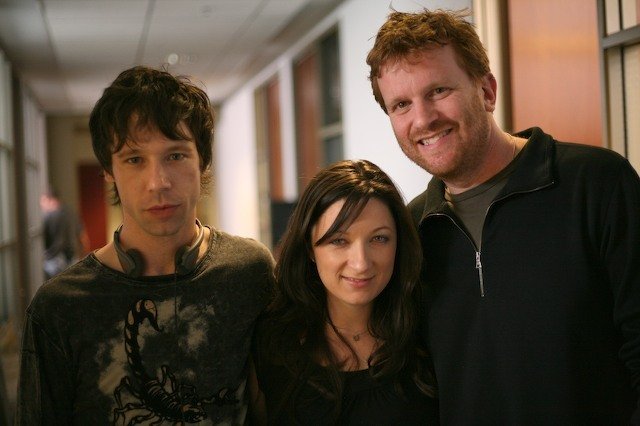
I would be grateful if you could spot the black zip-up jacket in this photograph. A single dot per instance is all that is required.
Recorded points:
(542, 325)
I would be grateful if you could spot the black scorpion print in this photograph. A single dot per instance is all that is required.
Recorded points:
(156, 400)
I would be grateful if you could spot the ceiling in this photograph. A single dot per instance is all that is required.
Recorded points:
(68, 51)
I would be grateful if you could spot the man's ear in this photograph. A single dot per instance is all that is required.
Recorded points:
(108, 177)
(489, 92)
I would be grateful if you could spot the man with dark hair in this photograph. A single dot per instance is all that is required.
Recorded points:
(156, 325)
(531, 245)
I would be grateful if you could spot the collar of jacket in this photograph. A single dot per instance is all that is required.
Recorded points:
(534, 171)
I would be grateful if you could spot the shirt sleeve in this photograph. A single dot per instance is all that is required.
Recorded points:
(45, 387)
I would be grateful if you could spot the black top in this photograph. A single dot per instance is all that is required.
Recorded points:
(365, 401)
(543, 325)
(103, 348)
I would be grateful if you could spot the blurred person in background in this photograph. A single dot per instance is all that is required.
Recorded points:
(65, 238)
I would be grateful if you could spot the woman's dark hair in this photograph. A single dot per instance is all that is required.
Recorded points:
(146, 97)
(293, 331)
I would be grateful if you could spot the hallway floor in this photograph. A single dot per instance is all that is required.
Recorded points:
(9, 348)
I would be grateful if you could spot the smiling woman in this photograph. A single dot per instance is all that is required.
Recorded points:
(338, 343)
(354, 264)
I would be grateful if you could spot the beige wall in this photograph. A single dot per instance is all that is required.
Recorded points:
(69, 144)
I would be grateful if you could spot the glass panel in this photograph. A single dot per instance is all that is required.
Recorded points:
(8, 265)
(612, 16)
(615, 107)
(28, 117)
(629, 13)
(5, 102)
(34, 213)
(333, 150)
(34, 130)
(330, 74)
(3, 187)
(6, 197)
(6, 170)
(632, 102)
(4, 287)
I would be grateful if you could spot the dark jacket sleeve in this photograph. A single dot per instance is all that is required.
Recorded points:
(621, 253)
(45, 388)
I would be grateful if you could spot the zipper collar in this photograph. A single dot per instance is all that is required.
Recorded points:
(533, 172)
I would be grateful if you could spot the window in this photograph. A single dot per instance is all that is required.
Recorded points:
(8, 237)
(317, 113)
(331, 97)
(318, 106)
(619, 27)
(22, 177)
(32, 167)
(274, 208)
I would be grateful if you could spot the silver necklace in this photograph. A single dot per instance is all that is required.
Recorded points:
(354, 336)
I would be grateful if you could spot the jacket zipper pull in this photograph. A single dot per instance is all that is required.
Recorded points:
(479, 268)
